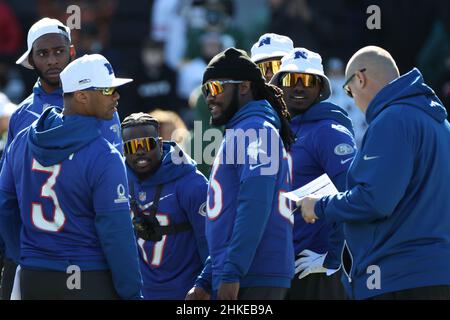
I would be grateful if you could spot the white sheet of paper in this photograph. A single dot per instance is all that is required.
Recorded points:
(322, 186)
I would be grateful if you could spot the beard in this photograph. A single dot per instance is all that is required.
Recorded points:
(53, 83)
(228, 112)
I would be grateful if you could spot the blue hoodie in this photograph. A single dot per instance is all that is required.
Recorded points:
(170, 266)
(324, 144)
(396, 211)
(74, 184)
(32, 107)
(249, 223)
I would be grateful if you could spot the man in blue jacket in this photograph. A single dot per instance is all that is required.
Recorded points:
(168, 200)
(396, 211)
(49, 51)
(249, 222)
(64, 190)
(324, 144)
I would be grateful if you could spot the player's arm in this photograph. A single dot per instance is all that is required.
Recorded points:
(113, 225)
(10, 222)
(382, 171)
(193, 202)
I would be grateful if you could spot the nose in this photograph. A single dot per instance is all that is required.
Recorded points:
(52, 60)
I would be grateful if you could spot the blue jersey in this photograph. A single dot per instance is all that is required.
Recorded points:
(73, 198)
(170, 266)
(323, 144)
(249, 223)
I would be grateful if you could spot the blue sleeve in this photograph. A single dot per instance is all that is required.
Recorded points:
(204, 280)
(114, 228)
(334, 149)
(254, 207)
(381, 173)
(10, 225)
(336, 239)
(193, 202)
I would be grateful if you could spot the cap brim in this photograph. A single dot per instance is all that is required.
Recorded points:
(265, 56)
(23, 60)
(117, 82)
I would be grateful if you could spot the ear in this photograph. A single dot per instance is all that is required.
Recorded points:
(361, 79)
(72, 51)
(81, 97)
(244, 87)
(30, 59)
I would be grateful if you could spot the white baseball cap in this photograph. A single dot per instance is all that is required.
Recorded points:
(271, 45)
(37, 30)
(302, 60)
(6, 106)
(91, 70)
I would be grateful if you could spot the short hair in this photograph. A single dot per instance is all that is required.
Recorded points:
(140, 119)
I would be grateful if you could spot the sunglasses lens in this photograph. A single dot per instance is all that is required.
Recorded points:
(348, 91)
(291, 80)
(132, 146)
(267, 66)
(108, 91)
(213, 88)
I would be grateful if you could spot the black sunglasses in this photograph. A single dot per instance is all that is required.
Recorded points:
(345, 86)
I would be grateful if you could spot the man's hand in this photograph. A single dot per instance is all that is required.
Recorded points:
(197, 293)
(228, 291)
(307, 207)
(309, 262)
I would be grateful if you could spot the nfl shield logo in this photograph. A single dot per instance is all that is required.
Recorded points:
(142, 196)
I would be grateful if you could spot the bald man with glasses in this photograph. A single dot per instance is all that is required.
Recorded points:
(396, 211)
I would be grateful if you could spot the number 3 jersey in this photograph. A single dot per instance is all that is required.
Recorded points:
(72, 192)
(249, 223)
(170, 266)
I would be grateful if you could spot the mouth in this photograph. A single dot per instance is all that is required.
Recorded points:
(298, 97)
(53, 72)
(142, 163)
(213, 109)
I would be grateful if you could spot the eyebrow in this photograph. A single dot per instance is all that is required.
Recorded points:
(52, 48)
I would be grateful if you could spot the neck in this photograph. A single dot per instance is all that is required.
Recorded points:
(48, 88)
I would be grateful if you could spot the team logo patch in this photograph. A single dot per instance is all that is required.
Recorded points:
(343, 149)
(142, 196)
(83, 81)
(254, 149)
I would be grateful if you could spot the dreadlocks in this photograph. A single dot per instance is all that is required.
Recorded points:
(140, 119)
(274, 96)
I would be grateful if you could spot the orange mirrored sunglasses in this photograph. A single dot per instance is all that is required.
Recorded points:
(291, 80)
(214, 88)
(273, 65)
(146, 143)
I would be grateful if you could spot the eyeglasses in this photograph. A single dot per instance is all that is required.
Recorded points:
(104, 91)
(345, 86)
(291, 80)
(273, 66)
(132, 146)
(215, 87)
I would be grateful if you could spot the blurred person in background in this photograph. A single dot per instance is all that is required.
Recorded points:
(171, 127)
(6, 110)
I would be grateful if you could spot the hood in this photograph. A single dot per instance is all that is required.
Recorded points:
(55, 98)
(54, 137)
(410, 90)
(325, 111)
(175, 164)
(260, 108)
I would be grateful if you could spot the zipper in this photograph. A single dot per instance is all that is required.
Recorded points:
(347, 274)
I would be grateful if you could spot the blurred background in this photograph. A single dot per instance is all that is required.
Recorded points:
(165, 44)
